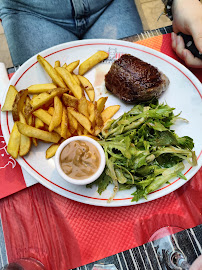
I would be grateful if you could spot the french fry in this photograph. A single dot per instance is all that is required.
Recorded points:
(38, 133)
(57, 115)
(18, 104)
(40, 88)
(101, 104)
(89, 89)
(65, 133)
(80, 130)
(76, 79)
(65, 65)
(71, 67)
(91, 111)
(70, 101)
(51, 71)
(51, 110)
(93, 137)
(10, 98)
(109, 112)
(83, 106)
(92, 61)
(57, 63)
(98, 118)
(25, 142)
(30, 118)
(46, 118)
(70, 82)
(73, 124)
(82, 119)
(38, 123)
(35, 143)
(14, 142)
(42, 99)
(50, 152)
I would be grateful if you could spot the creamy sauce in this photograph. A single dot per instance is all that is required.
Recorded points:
(80, 159)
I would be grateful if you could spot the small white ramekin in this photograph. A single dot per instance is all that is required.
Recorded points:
(92, 177)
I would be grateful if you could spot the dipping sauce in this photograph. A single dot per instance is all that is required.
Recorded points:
(80, 159)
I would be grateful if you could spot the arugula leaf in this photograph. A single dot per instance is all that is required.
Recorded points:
(142, 151)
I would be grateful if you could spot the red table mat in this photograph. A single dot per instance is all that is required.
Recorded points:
(64, 234)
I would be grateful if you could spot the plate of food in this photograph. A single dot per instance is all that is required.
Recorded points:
(143, 107)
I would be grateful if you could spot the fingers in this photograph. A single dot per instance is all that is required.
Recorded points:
(197, 37)
(190, 60)
(179, 47)
(177, 44)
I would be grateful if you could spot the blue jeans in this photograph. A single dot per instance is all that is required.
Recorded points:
(31, 26)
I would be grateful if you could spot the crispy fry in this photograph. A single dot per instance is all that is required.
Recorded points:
(38, 123)
(50, 152)
(14, 142)
(109, 112)
(76, 79)
(83, 106)
(25, 142)
(89, 89)
(57, 114)
(70, 101)
(40, 88)
(38, 133)
(80, 130)
(101, 104)
(65, 133)
(70, 82)
(10, 98)
(46, 118)
(73, 124)
(42, 99)
(91, 111)
(57, 63)
(18, 104)
(92, 61)
(51, 71)
(98, 119)
(82, 119)
(65, 65)
(93, 137)
(30, 118)
(71, 67)
(35, 143)
(51, 110)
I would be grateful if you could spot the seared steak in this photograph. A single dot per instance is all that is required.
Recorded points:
(134, 80)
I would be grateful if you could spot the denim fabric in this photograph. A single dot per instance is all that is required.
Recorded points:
(31, 26)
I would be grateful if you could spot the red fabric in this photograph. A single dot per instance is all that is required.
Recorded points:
(64, 234)
(11, 177)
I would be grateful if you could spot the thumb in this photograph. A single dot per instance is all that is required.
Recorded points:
(196, 33)
(175, 27)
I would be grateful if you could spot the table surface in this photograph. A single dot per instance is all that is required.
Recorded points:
(86, 233)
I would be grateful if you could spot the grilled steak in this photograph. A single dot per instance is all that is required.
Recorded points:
(134, 80)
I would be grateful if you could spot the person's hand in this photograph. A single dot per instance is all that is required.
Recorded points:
(187, 18)
(197, 264)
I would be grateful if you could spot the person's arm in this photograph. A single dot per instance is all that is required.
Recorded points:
(187, 18)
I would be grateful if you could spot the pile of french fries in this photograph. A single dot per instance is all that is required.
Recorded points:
(53, 112)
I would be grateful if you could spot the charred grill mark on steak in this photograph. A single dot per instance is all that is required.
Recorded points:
(134, 80)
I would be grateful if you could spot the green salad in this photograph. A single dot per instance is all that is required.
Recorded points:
(143, 151)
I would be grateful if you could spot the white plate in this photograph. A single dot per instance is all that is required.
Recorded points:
(184, 94)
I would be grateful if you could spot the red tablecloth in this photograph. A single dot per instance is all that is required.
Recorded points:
(64, 234)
